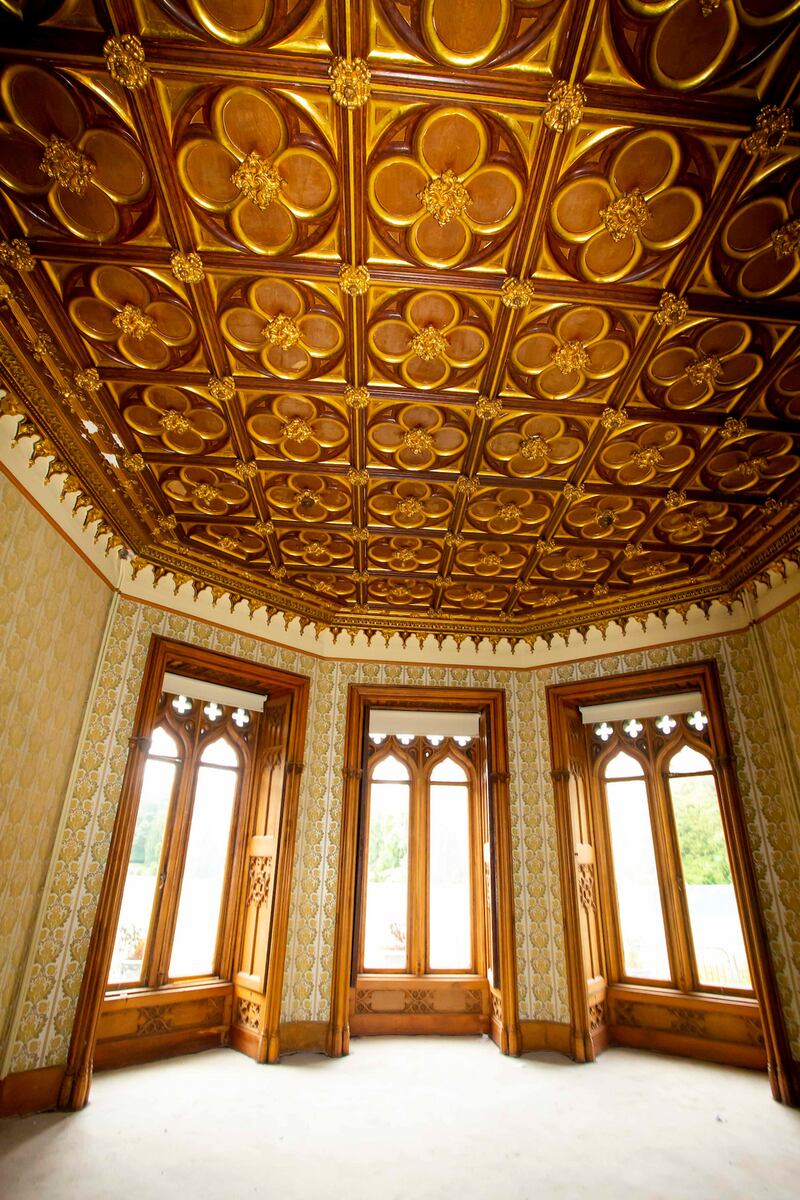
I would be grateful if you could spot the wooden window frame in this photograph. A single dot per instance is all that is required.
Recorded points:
(418, 915)
(155, 974)
(503, 1024)
(585, 948)
(684, 975)
(262, 1039)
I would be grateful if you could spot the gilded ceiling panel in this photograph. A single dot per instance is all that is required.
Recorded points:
(475, 317)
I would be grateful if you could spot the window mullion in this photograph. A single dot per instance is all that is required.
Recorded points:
(175, 861)
(670, 874)
(151, 951)
(418, 874)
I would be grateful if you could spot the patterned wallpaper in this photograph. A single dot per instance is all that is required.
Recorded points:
(49, 645)
(43, 1035)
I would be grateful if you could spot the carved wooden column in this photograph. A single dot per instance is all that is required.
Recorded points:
(78, 1077)
(511, 1036)
(339, 1029)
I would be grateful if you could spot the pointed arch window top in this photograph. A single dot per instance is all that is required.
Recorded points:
(390, 769)
(163, 745)
(623, 766)
(689, 761)
(448, 771)
(220, 753)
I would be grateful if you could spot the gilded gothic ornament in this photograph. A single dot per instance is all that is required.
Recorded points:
(359, 576)
(648, 456)
(467, 485)
(5, 292)
(88, 380)
(786, 240)
(350, 82)
(278, 572)
(674, 498)
(359, 478)
(565, 107)
(281, 331)
(16, 254)
(245, 470)
(223, 390)
(428, 344)
(298, 430)
(131, 321)
(632, 550)
(671, 310)
(452, 540)
(626, 215)
(356, 397)
(488, 410)
(409, 508)
(570, 357)
(358, 534)
(613, 418)
(68, 166)
(174, 422)
(573, 491)
(546, 546)
(707, 7)
(205, 493)
(166, 526)
(734, 427)
(258, 180)
(704, 370)
(516, 293)
(772, 126)
(534, 448)
(418, 440)
(444, 198)
(264, 528)
(124, 57)
(187, 268)
(353, 280)
(599, 590)
(133, 462)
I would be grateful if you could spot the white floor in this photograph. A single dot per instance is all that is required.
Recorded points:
(411, 1117)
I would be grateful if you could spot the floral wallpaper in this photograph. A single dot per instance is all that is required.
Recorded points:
(43, 1035)
(49, 645)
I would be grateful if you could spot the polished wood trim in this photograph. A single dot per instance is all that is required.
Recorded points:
(732, 1054)
(547, 1035)
(441, 1024)
(701, 676)
(165, 654)
(30, 1091)
(491, 704)
(303, 1037)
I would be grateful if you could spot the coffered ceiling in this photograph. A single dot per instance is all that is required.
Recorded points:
(466, 315)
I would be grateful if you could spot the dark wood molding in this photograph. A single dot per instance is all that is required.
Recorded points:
(490, 703)
(165, 655)
(562, 699)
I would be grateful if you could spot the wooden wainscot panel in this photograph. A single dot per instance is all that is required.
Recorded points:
(30, 1091)
(248, 1014)
(546, 1035)
(714, 1028)
(303, 1037)
(141, 1026)
(417, 1006)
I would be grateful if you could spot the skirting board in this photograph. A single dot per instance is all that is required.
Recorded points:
(303, 1037)
(30, 1091)
(546, 1035)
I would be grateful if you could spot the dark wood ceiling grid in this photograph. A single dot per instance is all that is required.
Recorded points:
(412, 451)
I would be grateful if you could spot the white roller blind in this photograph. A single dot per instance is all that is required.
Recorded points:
(416, 723)
(199, 689)
(650, 706)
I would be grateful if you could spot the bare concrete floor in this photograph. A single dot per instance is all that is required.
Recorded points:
(411, 1118)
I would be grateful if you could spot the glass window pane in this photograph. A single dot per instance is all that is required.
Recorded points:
(142, 877)
(204, 873)
(390, 768)
(386, 916)
(713, 913)
(644, 946)
(448, 771)
(163, 744)
(221, 753)
(449, 942)
(623, 766)
(688, 760)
